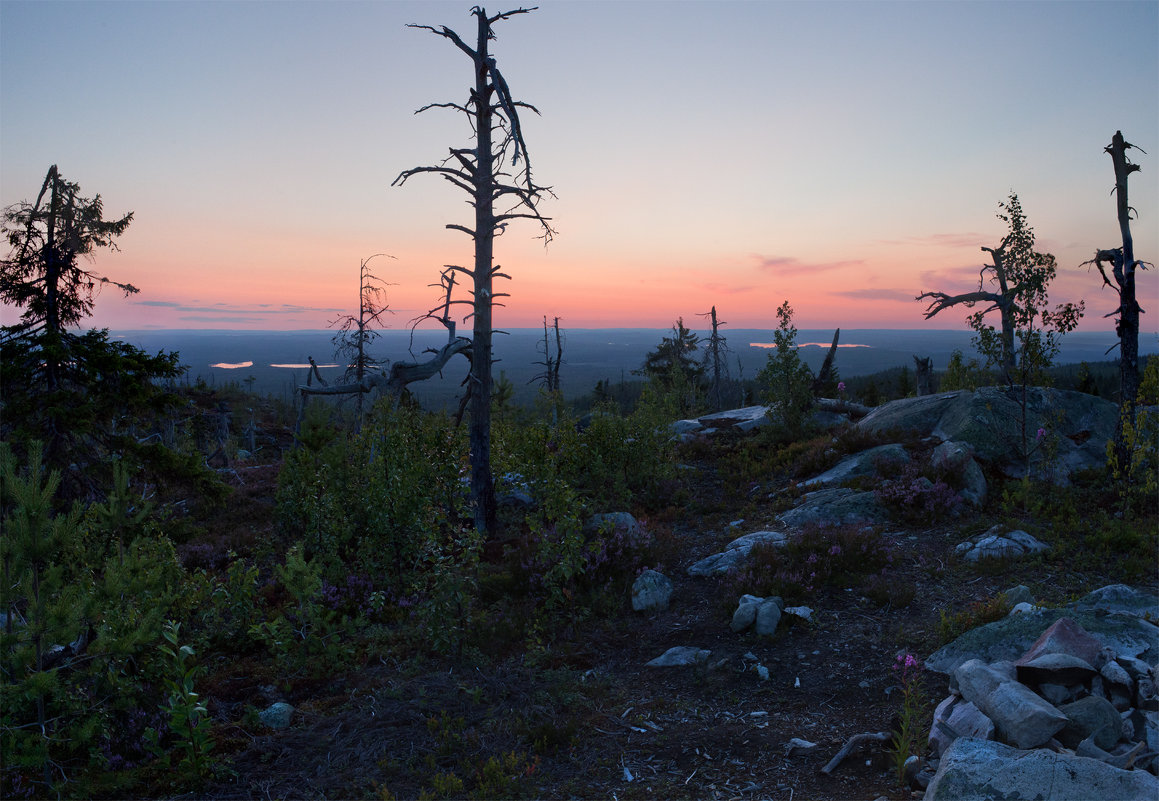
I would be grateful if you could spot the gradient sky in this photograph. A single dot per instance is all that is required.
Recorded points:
(843, 156)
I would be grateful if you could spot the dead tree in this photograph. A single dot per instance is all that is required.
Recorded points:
(714, 357)
(355, 334)
(1122, 264)
(496, 169)
(550, 375)
(1002, 299)
(924, 369)
(394, 381)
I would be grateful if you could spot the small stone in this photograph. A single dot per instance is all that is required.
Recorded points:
(1019, 594)
(651, 592)
(803, 612)
(762, 672)
(680, 656)
(767, 618)
(276, 716)
(746, 612)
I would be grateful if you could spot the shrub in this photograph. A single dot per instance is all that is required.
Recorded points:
(835, 556)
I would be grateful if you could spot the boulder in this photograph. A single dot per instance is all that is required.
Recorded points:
(963, 719)
(734, 553)
(982, 770)
(768, 617)
(990, 421)
(1020, 717)
(745, 419)
(613, 521)
(651, 592)
(746, 613)
(996, 543)
(1087, 717)
(1054, 669)
(1065, 636)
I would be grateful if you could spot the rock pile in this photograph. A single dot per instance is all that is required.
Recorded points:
(1075, 706)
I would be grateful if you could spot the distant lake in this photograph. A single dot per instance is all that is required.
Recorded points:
(278, 361)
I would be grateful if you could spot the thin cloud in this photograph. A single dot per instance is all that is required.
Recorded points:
(960, 240)
(224, 308)
(791, 265)
(899, 295)
(962, 275)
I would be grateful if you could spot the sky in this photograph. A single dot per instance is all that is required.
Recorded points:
(843, 156)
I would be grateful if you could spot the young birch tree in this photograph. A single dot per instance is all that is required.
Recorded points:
(496, 170)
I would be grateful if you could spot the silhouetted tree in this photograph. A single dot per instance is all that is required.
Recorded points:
(1022, 276)
(675, 355)
(715, 350)
(496, 169)
(549, 378)
(1122, 263)
(80, 394)
(356, 334)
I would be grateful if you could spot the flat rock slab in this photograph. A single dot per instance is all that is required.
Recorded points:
(836, 507)
(734, 553)
(983, 770)
(860, 464)
(1127, 633)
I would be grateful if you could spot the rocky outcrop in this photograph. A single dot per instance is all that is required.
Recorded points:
(1075, 426)
(1117, 616)
(1077, 701)
(837, 506)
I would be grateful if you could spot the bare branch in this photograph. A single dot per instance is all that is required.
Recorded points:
(447, 33)
(940, 301)
(454, 106)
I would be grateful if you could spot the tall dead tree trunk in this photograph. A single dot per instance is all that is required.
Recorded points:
(481, 171)
(1122, 263)
(714, 356)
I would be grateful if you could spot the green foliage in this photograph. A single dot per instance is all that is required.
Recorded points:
(838, 556)
(786, 379)
(189, 721)
(305, 635)
(961, 374)
(675, 358)
(1025, 276)
(952, 625)
(1137, 477)
(370, 500)
(913, 716)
